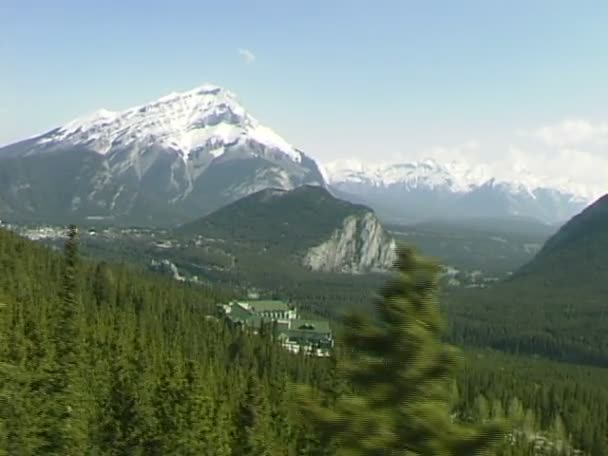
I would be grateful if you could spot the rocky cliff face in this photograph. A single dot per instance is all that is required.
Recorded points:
(360, 245)
(166, 267)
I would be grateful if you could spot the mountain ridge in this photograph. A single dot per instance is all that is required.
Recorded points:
(578, 246)
(428, 189)
(189, 153)
(458, 176)
(183, 154)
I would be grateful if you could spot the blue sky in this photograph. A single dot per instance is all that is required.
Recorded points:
(338, 78)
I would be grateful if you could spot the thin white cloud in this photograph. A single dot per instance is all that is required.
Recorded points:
(247, 55)
(571, 155)
(582, 171)
(573, 132)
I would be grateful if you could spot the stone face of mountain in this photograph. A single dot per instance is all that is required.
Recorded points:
(359, 245)
(183, 155)
(166, 267)
(416, 191)
(308, 226)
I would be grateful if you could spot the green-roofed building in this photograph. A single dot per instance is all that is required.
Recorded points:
(313, 336)
(274, 310)
(242, 311)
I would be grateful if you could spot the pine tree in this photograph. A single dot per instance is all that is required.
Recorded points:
(65, 431)
(400, 372)
(516, 412)
(200, 433)
(168, 401)
(254, 436)
(120, 422)
(103, 283)
(222, 437)
(7, 373)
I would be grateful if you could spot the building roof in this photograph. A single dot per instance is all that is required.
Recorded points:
(295, 329)
(311, 336)
(238, 313)
(282, 326)
(310, 326)
(268, 306)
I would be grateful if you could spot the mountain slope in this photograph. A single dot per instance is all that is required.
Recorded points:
(307, 225)
(555, 305)
(185, 153)
(577, 255)
(410, 192)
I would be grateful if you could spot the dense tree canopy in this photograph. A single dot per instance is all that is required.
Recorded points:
(102, 359)
(400, 374)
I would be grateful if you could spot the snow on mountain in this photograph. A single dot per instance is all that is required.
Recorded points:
(427, 188)
(456, 177)
(426, 173)
(180, 156)
(191, 152)
(205, 118)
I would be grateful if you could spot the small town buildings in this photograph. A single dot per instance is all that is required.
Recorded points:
(313, 337)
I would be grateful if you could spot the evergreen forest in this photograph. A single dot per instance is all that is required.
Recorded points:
(105, 359)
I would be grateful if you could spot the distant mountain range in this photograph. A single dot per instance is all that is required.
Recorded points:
(411, 192)
(187, 154)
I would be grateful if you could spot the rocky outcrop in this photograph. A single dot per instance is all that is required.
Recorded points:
(360, 245)
(166, 267)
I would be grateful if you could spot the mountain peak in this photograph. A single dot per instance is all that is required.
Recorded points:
(186, 152)
(207, 118)
(204, 89)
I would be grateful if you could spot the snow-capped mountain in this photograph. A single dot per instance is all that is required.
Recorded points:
(428, 189)
(206, 119)
(186, 154)
(175, 158)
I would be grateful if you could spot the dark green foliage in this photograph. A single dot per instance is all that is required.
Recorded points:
(494, 247)
(253, 426)
(63, 393)
(237, 265)
(144, 367)
(554, 306)
(278, 220)
(588, 226)
(154, 373)
(399, 371)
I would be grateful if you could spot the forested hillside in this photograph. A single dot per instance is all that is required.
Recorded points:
(285, 221)
(101, 359)
(554, 306)
(108, 360)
